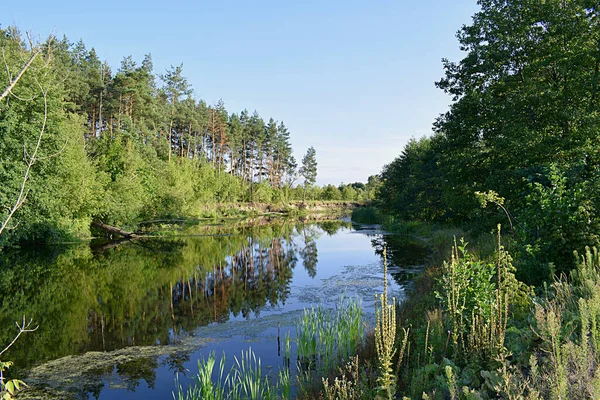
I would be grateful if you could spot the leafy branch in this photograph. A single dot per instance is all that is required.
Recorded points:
(492, 197)
(9, 388)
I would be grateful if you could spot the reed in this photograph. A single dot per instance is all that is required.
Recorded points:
(203, 386)
(248, 380)
(245, 380)
(327, 337)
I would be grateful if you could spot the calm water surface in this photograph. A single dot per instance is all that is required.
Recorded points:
(121, 322)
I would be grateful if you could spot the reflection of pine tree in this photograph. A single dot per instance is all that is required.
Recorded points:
(135, 294)
(132, 372)
(309, 253)
(310, 258)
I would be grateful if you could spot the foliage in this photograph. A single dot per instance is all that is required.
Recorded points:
(8, 388)
(109, 142)
(519, 134)
(559, 217)
(309, 169)
(410, 185)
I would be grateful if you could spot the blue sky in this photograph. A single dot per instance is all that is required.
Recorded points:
(354, 79)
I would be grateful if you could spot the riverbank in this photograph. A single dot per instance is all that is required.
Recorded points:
(217, 218)
(166, 297)
(469, 329)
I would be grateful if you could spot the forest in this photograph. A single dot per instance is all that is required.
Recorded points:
(505, 194)
(519, 144)
(79, 142)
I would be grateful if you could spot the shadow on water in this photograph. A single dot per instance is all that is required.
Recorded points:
(118, 315)
(406, 255)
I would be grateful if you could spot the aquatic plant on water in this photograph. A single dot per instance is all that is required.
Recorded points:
(245, 380)
(326, 338)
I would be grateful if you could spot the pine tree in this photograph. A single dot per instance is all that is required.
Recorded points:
(176, 86)
(309, 169)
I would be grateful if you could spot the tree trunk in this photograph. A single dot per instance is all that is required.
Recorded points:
(100, 114)
(114, 230)
(171, 125)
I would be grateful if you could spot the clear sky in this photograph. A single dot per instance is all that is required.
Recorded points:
(354, 79)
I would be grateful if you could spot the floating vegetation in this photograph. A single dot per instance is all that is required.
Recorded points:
(324, 338)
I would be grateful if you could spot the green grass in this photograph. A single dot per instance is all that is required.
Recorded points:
(245, 380)
(325, 338)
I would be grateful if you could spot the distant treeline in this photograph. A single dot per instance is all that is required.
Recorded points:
(80, 142)
(521, 137)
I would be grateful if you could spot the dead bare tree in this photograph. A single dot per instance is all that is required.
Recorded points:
(24, 327)
(13, 81)
(10, 387)
(28, 157)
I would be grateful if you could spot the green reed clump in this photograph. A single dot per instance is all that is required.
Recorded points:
(245, 380)
(326, 337)
(287, 350)
(203, 386)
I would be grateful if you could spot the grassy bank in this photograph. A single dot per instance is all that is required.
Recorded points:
(476, 332)
(467, 330)
(215, 218)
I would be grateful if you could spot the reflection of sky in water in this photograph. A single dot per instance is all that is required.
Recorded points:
(347, 264)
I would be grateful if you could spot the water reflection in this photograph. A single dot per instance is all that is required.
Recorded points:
(406, 255)
(118, 297)
(147, 292)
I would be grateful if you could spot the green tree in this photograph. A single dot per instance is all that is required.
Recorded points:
(525, 96)
(81, 143)
(410, 185)
(330, 192)
(176, 85)
(309, 169)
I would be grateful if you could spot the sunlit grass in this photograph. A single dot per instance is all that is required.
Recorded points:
(326, 338)
(245, 380)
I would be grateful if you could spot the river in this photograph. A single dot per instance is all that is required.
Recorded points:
(123, 321)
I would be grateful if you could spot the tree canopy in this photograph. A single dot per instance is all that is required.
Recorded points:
(524, 124)
(309, 167)
(121, 146)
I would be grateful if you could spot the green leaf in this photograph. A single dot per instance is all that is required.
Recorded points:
(10, 387)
